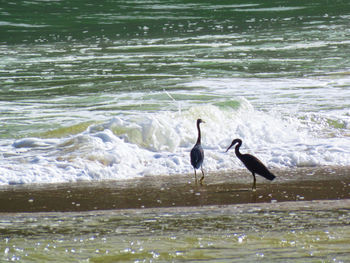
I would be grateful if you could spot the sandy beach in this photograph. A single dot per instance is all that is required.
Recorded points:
(302, 216)
(302, 184)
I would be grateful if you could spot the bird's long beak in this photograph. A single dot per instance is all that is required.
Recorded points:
(229, 147)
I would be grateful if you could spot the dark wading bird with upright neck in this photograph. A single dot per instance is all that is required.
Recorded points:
(253, 164)
(197, 153)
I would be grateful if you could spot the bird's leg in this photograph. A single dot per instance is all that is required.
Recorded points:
(202, 175)
(195, 174)
(254, 183)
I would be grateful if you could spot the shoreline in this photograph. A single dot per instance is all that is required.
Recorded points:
(234, 188)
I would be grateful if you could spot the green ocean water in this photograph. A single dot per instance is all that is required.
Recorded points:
(111, 90)
(100, 59)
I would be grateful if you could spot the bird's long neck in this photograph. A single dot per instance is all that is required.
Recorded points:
(199, 134)
(238, 153)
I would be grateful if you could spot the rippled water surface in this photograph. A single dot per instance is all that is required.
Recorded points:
(260, 233)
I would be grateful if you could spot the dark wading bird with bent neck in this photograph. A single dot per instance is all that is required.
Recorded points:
(253, 164)
(197, 153)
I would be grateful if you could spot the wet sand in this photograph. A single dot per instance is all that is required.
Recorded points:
(302, 184)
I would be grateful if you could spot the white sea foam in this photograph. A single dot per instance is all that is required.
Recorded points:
(159, 144)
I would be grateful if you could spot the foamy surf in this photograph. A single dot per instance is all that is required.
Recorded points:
(159, 143)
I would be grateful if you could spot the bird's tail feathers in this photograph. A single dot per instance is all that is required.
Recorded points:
(269, 176)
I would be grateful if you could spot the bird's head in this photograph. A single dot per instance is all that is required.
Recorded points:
(200, 121)
(239, 141)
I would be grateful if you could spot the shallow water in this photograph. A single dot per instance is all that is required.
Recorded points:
(288, 232)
